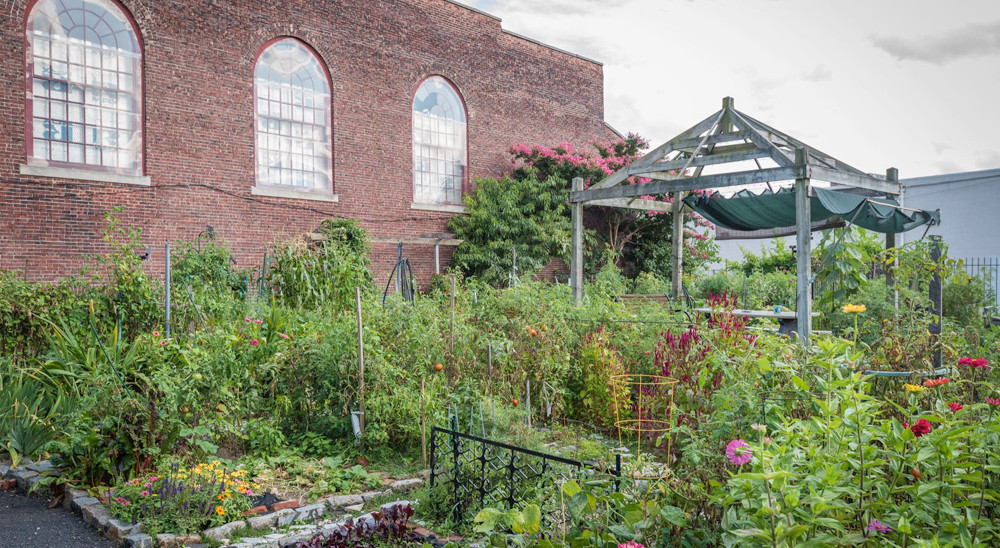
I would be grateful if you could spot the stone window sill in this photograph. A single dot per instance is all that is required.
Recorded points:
(294, 194)
(84, 175)
(444, 208)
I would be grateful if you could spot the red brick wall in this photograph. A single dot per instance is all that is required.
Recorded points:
(199, 141)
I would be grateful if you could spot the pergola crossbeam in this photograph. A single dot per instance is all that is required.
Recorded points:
(682, 184)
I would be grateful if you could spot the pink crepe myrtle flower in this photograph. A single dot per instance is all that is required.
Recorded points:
(738, 452)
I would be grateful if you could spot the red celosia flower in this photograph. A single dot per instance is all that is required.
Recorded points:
(931, 383)
(955, 407)
(981, 362)
(921, 427)
(993, 401)
(965, 361)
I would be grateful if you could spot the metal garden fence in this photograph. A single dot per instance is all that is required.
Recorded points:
(476, 472)
(987, 269)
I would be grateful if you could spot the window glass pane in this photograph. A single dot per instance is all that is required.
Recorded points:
(439, 146)
(287, 78)
(82, 49)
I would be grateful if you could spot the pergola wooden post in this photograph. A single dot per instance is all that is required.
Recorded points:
(726, 137)
(803, 250)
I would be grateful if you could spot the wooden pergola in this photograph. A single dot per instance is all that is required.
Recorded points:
(725, 142)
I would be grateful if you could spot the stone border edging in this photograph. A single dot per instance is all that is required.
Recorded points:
(284, 513)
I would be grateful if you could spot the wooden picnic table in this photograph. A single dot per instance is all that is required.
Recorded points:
(787, 320)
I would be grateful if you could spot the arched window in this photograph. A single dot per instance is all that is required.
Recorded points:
(439, 143)
(292, 93)
(84, 78)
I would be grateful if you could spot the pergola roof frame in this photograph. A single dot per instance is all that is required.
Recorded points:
(726, 137)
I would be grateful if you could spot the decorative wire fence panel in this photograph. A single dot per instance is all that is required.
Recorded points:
(473, 473)
(987, 269)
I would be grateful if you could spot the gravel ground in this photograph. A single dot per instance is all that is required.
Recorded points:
(27, 522)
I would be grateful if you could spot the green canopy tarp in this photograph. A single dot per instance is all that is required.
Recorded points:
(748, 211)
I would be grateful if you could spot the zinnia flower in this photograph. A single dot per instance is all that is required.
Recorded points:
(248, 320)
(283, 336)
(980, 363)
(631, 544)
(931, 383)
(220, 510)
(156, 333)
(921, 427)
(853, 308)
(993, 401)
(254, 342)
(163, 343)
(955, 407)
(877, 526)
(145, 493)
(258, 322)
(913, 387)
(738, 452)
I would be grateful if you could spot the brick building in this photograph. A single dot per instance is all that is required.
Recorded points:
(263, 117)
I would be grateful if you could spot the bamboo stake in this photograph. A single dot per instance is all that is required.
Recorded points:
(423, 422)
(361, 361)
(451, 335)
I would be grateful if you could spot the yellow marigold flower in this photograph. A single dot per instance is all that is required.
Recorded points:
(220, 510)
(913, 387)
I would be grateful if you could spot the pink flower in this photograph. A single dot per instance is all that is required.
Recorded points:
(921, 427)
(254, 342)
(145, 493)
(123, 502)
(156, 333)
(248, 320)
(147, 484)
(993, 401)
(283, 336)
(163, 343)
(631, 544)
(258, 322)
(738, 452)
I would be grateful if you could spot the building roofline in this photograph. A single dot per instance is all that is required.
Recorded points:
(613, 130)
(951, 178)
(521, 36)
(553, 48)
(470, 8)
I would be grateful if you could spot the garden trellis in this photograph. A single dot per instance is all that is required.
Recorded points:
(725, 143)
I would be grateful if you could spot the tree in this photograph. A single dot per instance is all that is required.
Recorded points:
(641, 241)
(526, 214)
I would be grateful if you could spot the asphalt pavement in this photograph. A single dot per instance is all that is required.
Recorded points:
(27, 522)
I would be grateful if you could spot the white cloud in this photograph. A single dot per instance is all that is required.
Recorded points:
(812, 70)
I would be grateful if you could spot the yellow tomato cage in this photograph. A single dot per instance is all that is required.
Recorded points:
(643, 400)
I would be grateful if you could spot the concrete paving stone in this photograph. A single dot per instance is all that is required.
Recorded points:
(311, 512)
(41, 467)
(223, 531)
(262, 522)
(97, 516)
(289, 542)
(137, 540)
(340, 501)
(80, 503)
(3, 470)
(118, 529)
(285, 519)
(72, 494)
(355, 507)
(29, 484)
(406, 484)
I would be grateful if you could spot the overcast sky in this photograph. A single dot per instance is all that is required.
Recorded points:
(912, 84)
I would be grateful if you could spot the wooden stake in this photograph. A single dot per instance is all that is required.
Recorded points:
(361, 361)
(423, 422)
(451, 335)
(527, 400)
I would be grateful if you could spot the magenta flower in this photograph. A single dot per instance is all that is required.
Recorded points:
(738, 452)
(631, 544)
(254, 342)
(877, 526)
(283, 336)
(145, 493)
(258, 322)
(248, 320)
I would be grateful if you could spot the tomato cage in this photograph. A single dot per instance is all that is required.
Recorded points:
(644, 406)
